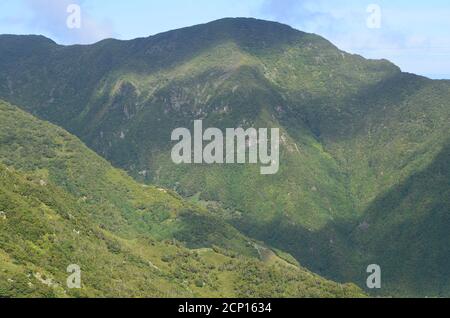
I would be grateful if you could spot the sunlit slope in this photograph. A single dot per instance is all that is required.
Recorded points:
(352, 129)
(61, 204)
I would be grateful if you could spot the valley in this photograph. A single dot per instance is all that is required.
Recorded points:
(363, 161)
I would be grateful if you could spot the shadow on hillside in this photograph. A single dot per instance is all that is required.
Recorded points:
(405, 231)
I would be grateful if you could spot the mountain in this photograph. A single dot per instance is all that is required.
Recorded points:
(358, 138)
(415, 211)
(61, 204)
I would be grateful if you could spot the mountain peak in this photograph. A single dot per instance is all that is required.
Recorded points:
(244, 31)
(251, 23)
(240, 24)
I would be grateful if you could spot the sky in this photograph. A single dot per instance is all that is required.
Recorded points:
(413, 34)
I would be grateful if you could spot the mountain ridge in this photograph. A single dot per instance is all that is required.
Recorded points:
(352, 129)
(125, 237)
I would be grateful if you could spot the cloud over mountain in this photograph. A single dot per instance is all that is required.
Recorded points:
(50, 17)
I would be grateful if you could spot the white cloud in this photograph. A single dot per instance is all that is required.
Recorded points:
(50, 18)
(407, 34)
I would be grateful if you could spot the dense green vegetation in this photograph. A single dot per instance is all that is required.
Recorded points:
(415, 211)
(61, 204)
(359, 139)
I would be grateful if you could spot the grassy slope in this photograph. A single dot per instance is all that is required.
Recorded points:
(353, 129)
(61, 204)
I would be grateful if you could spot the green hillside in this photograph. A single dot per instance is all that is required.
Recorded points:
(415, 211)
(354, 133)
(61, 204)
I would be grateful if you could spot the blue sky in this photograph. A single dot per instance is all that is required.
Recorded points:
(413, 34)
